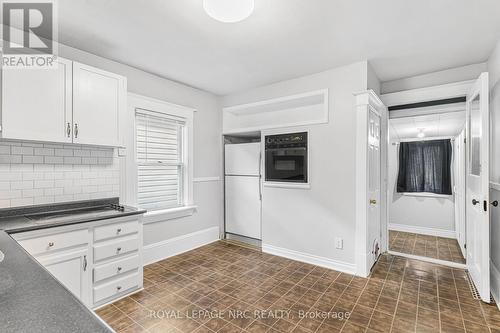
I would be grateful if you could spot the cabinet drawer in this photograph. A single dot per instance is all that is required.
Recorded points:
(116, 247)
(55, 242)
(115, 287)
(115, 230)
(114, 268)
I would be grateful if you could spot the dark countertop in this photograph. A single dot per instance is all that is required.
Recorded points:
(31, 299)
(15, 219)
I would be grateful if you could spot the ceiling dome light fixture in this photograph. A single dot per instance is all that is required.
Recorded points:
(228, 11)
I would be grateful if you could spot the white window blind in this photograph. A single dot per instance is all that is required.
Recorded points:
(160, 161)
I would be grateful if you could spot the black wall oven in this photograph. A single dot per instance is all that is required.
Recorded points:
(286, 158)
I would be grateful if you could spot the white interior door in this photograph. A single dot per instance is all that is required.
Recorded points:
(477, 183)
(374, 227)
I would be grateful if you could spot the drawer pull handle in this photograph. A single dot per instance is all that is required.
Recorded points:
(119, 269)
(118, 230)
(118, 249)
(51, 244)
(118, 288)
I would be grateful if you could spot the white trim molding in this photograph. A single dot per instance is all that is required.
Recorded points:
(177, 245)
(168, 214)
(495, 283)
(423, 230)
(368, 102)
(206, 179)
(450, 90)
(310, 259)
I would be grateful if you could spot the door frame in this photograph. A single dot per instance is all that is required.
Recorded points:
(439, 92)
(366, 102)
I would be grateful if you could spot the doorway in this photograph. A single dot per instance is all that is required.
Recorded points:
(425, 183)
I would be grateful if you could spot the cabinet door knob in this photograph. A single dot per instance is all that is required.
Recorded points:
(495, 203)
(51, 244)
(118, 230)
(119, 269)
(474, 202)
(118, 249)
(373, 202)
(118, 288)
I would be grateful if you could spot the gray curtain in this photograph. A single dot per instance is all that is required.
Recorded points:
(425, 166)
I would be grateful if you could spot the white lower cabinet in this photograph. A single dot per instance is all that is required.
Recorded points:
(71, 269)
(96, 272)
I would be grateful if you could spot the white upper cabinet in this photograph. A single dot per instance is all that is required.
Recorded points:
(36, 103)
(98, 97)
(73, 103)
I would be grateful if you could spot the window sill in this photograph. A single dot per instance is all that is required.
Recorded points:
(426, 195)
(303, 186)
(168, 214)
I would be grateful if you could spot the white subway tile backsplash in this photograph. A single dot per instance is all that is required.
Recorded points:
(44, 184)
(44, 151)
(21, 185)
(54, 160)
(63, 152)
(38, 173)
(32, 159)
(21, 202)
(21, 150)
(53, 191)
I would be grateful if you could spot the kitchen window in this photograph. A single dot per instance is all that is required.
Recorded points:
(162, 167)
(161, 164)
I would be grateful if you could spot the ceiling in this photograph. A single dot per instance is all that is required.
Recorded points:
(283, 39)
(434, 125)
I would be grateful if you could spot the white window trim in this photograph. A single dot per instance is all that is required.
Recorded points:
(129, 168)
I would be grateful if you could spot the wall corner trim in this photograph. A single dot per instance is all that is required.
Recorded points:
(310, 259)
(177, 245)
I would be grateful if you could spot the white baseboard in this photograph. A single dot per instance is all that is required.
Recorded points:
(423, 230)
(310, 259)
(177, 245)
(495, 283)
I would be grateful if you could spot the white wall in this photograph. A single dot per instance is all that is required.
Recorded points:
(207, 142)
(431, 214)
(308, 220)
(457, 74)
(494, 72)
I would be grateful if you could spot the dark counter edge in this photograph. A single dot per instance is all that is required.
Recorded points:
(21, 211)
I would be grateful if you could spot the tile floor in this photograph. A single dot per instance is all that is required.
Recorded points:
(425, 246)
(203, 290)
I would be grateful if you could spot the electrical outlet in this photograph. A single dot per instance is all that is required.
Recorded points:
(339, 243)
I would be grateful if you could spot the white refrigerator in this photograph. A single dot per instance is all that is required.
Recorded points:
(243, 191)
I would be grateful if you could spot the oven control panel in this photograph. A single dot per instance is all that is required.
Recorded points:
(286, 140)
